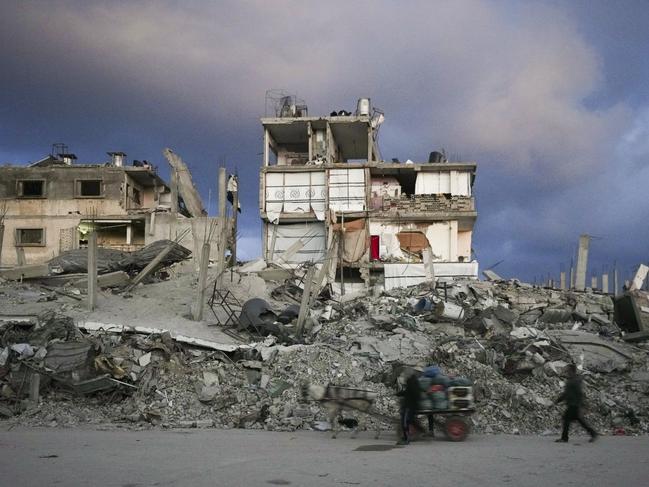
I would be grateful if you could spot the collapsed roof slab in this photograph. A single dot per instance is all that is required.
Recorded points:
(185, 184)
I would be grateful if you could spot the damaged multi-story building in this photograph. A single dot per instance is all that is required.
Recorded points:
(326, 196)
(51, 205)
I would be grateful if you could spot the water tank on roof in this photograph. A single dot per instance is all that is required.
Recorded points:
(364, 107)
(436, 157)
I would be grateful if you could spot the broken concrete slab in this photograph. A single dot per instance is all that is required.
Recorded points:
(593, 352)
(639, 278)
(632, 311)
(112, 279)
(491, 275)
(252, 266)
(25, 272)
(198, 342)
(556, 315)
(274, 274)
(449, 311)
(67, 356)
(186, 187)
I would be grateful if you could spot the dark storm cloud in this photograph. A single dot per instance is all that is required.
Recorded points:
(529, 90)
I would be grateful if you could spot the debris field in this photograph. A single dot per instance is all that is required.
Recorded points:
(60, 366)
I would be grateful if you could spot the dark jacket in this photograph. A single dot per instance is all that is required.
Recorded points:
(573, 394)
(410, 394)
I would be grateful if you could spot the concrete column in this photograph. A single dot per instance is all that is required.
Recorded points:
(34, 386)
(152, 223)
(304, 303)
(582, 262)
(92, 270)
(223, 236)
(174, 191)
(2, 233)
(197, 308)
(572, 278)
(593, 282)
(615, 282)
(639, 277)
(605, 283)
(309, 132)
(129, 234)
(235, 213)
(563, 280)
(266, 147)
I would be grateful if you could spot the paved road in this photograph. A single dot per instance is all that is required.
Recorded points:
(71, 457)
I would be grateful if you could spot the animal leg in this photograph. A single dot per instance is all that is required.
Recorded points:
(333, 414)
(358, 426)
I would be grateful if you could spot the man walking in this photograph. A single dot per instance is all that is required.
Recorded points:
(409, 404)
(573, 396)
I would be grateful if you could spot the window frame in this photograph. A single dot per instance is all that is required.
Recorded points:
(19, 243)
(78, 184)
(20, 189)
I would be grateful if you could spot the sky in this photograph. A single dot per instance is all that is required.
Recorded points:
(549, 98)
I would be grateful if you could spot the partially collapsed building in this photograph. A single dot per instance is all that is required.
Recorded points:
(326, 196)
(52, 204)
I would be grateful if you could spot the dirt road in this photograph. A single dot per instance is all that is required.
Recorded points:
(72, 457)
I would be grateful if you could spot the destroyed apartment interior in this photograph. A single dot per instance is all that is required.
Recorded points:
(123, 301)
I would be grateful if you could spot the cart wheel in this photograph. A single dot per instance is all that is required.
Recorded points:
(456, 428)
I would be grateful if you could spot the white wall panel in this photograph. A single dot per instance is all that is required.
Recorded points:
(312, 235)
(456, 183)
(295, 192)
(403, 275)
(347, 189)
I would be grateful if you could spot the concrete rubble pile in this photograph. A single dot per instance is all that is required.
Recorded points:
(511, 339)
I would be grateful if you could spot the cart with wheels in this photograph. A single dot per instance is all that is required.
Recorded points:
(455, 423)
